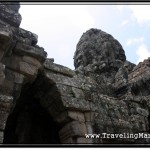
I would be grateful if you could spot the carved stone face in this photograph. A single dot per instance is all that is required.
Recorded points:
(96, 46)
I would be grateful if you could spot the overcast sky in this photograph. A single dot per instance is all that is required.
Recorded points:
(59, 28)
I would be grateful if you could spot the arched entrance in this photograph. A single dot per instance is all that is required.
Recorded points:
(51, 110)
(30, 123)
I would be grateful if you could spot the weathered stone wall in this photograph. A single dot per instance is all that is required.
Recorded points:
(43, 102)
(20, 59)
(117, 109)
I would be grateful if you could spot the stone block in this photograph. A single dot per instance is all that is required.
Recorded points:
(68, 116)
(58, 68)
(12, 62)
(70, 81)
(76, 116)
(33, 51)
(32, 61)
(28, 69)
(75, 104)
(31, 37)
(61, 79)
(14, 76)
(69, 91)
(89, 127)
(52, 77)
(73, 129)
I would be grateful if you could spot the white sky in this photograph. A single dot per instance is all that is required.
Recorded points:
(59, 27)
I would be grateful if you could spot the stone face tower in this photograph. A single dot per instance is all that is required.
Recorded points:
(96, 46)
(99, 56)
(45, 103)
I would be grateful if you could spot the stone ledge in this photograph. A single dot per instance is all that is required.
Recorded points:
(58, 68)
(16, 64)
(32, 37)
(37, 52)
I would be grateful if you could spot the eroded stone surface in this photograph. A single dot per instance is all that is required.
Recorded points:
(104, 94)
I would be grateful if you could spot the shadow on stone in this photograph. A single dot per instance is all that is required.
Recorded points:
(30, 123)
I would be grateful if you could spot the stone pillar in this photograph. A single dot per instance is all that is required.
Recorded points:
(73, 132)
(89, 117)
(74, 128)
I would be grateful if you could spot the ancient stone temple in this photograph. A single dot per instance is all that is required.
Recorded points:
(45, 103)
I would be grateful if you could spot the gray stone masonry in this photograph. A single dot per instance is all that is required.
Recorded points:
(104, 94)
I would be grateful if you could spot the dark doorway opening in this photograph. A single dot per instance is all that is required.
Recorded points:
(30, 123)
